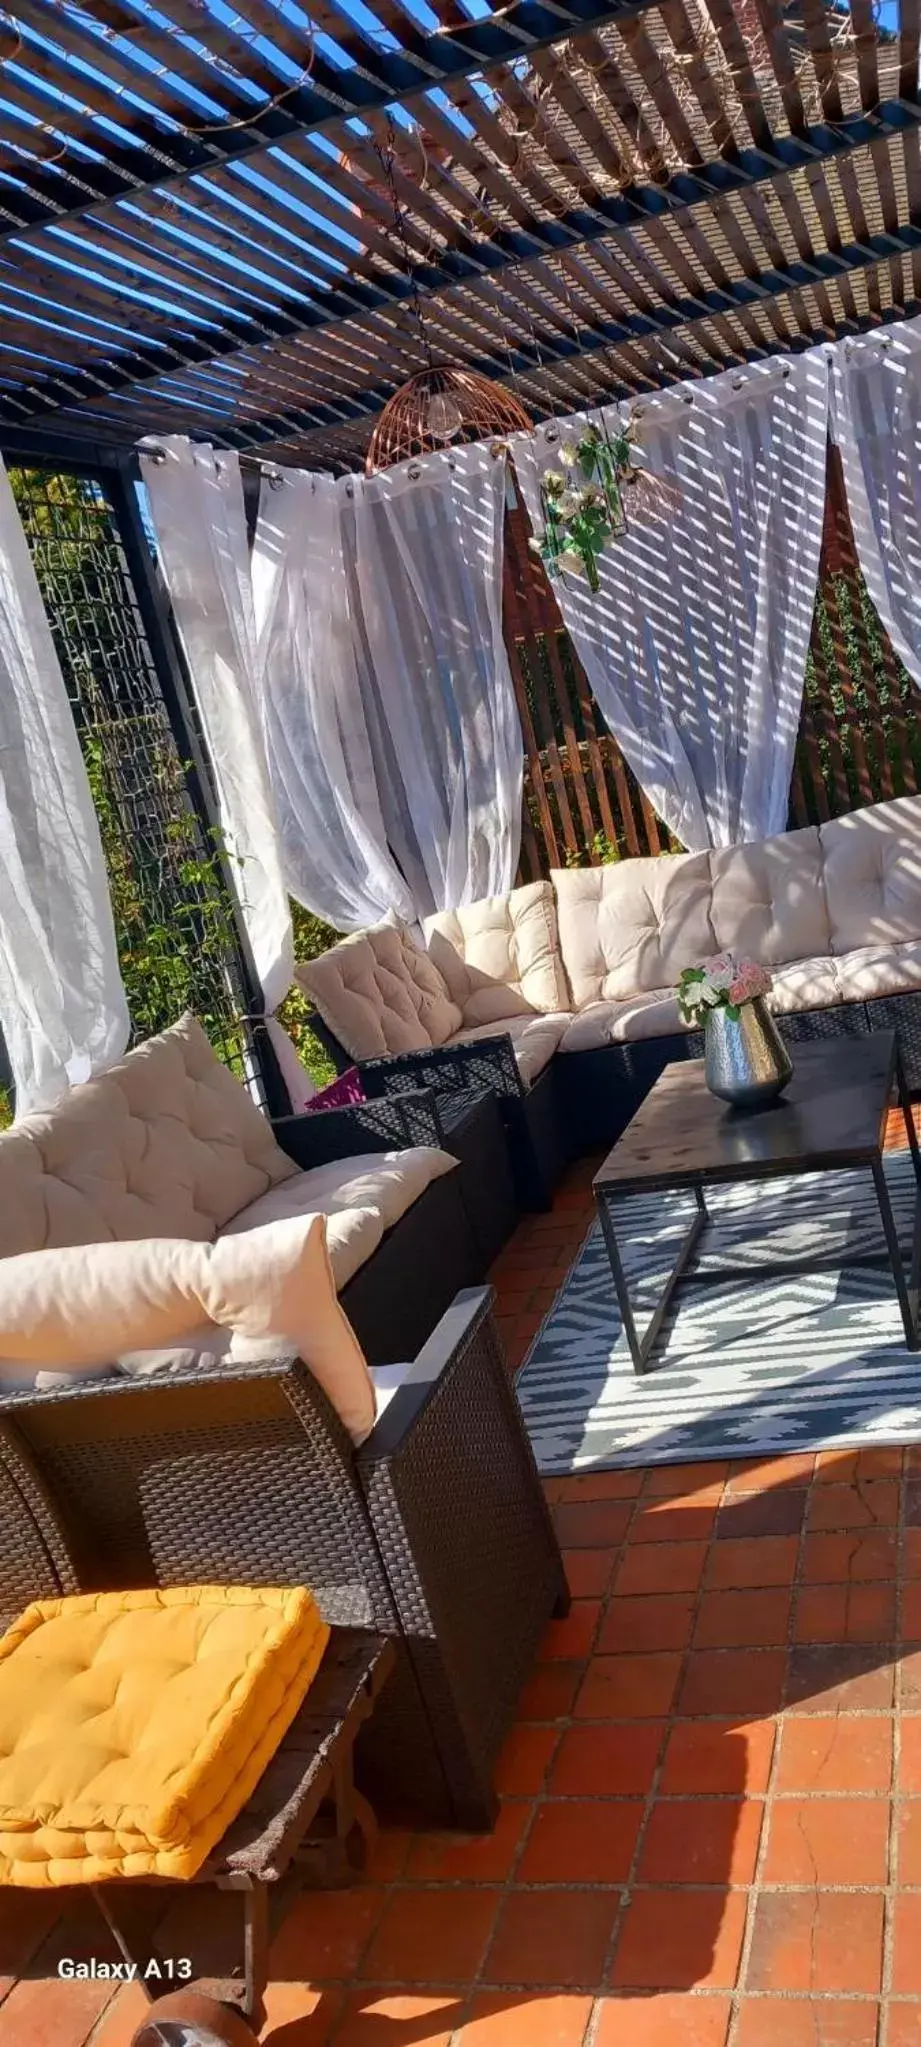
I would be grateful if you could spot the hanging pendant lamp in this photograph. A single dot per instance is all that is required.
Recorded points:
(439, 405)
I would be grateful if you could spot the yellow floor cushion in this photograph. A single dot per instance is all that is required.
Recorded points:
(135, 1725)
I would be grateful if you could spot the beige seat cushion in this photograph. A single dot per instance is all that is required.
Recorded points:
(629, 928)
(534, 1040)
(166, 1144)
(872, 866)
(873, 970)
(361, 1198)
(500, 957)
(768, 900)
(654, 1015)
(859, 976)
(272, 1288)
(804, 984)
(379, 992)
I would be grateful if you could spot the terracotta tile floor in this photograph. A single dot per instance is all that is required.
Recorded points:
(710, 1829)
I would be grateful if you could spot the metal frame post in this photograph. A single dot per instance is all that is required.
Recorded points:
(172, 674)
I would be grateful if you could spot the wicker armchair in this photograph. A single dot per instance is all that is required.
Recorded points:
(435, 1532)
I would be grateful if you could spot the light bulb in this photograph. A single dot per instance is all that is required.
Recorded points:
(443, 416)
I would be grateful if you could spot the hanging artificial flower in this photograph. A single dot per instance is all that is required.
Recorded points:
(583, 503)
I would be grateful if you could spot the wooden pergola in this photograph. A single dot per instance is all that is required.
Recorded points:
(253, 226)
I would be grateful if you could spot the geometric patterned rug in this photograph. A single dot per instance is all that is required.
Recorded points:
(746, 1362)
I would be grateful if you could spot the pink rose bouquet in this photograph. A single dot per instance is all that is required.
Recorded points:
(722, 982)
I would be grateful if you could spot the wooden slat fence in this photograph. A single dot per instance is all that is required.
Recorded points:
(859, 739)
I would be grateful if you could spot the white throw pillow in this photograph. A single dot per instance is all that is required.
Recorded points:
(91, 1304)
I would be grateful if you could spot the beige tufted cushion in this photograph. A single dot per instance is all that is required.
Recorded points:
(500, 957)
(166, 1144)
(534, 1040)
(859, 976)
(653, 1015)
(379, 992)
(769, 899)
(271, 1287)
(631, 926)
(872, 866)
(361, 1197)
(805, 984)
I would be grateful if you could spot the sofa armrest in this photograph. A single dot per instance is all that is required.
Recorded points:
(489, 1063)
(388, 1123)
(444, 1351)
(456, 1504)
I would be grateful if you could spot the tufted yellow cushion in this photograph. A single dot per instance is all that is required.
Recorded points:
(165, 1144)
(134, 1726)
(379, 992)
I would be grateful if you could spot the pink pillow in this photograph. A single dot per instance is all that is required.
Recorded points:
(341, 1093)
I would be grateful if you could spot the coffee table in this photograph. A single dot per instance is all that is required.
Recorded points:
(831, 1117)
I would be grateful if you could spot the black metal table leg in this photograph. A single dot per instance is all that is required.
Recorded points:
(905, 1106)
(906, 1289)
(641, 1347)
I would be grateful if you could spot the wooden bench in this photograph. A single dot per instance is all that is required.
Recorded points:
(305, 1825)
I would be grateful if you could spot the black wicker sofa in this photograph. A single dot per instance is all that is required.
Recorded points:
(593, 956)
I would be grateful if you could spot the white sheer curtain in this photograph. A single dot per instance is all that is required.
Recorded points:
(198, 512)
(423, 563)
(319, 755)
(696, 644)
(62, 1004)
(876, 417)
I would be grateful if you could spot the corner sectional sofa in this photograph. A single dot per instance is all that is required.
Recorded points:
(564, 991)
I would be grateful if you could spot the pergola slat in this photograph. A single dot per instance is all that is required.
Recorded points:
(606, 194)
(508, 248)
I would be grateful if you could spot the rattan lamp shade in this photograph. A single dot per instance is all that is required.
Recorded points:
(439, 406)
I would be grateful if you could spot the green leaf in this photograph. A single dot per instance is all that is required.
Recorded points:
(733, 1012)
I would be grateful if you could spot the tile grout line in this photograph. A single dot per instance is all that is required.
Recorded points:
(669, 1721)
(886, 1974)
(740, 1990)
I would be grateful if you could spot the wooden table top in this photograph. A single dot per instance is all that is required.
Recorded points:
(832, 1113)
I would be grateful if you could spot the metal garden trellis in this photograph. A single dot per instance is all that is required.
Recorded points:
(181, 940)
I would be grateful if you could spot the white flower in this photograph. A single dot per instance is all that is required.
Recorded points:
(721, 970)
(568, 504)
(570, 559)
(568, 454)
